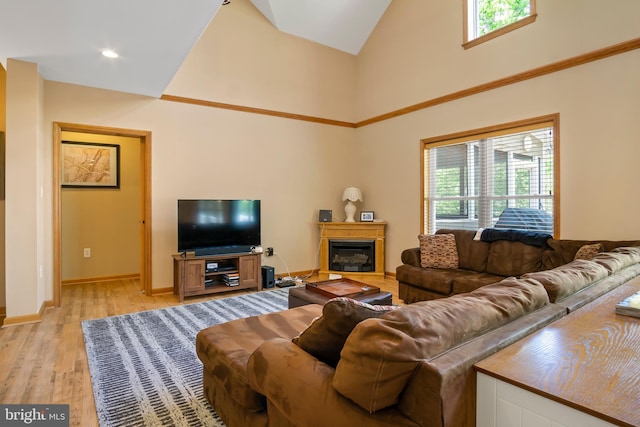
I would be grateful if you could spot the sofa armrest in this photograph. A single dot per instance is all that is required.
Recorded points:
(300, 387)
(411, 257)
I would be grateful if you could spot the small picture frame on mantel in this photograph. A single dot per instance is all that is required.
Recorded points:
(366, 216)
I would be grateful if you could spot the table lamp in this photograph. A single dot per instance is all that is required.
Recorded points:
(351, 194)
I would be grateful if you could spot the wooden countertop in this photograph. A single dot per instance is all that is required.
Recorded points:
(588, 360)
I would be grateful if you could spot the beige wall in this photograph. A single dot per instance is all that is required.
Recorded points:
(242, 59)
(294, 167)
(3, 128)
(3, 99)
(597, 103)
(27, 260)
(298, 167)
(104, 220)
(415, 53)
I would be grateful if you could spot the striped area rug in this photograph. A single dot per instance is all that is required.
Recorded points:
(144, 368)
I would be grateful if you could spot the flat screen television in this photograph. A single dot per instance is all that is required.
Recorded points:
(213, 227)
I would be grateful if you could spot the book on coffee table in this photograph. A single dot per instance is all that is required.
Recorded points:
(626, 308)
(342, 288)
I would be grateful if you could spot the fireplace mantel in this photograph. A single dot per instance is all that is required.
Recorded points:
(352, 231)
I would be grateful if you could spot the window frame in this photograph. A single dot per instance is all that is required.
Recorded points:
(551, 120)
(468, 42)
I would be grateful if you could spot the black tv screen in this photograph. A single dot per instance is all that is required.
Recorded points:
(210, 227)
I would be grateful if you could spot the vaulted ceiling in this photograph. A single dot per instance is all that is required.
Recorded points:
(153, 37)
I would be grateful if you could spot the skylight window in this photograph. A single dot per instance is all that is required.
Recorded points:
(487, 19)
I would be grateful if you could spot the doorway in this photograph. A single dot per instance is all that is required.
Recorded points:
(145, 199)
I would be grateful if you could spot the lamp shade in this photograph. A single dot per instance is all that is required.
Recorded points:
(352, 194)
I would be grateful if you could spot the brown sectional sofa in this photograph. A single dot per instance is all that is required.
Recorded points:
(482, 263)
(411, 366)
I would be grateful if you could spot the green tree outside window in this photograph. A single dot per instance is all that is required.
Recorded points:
(494, 14)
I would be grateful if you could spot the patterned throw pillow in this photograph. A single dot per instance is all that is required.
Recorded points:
(326, 336)
(588, 251)
(438, 251)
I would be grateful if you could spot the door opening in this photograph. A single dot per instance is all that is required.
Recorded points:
(144, 199)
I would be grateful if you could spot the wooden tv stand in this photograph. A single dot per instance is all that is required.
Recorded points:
(201, 275)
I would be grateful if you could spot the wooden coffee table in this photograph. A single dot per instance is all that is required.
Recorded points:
(321, 292)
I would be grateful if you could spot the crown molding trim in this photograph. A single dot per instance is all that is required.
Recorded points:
(554, 67)
(204, 103)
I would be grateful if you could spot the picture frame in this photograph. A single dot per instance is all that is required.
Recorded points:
(366, 216)
(90, 165)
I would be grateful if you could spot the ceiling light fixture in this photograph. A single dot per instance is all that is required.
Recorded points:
(226, 2)
(109, 53)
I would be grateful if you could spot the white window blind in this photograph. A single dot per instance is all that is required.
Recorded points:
(502, 179)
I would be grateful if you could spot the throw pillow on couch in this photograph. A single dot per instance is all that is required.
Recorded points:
(438, 251)
(326, 336)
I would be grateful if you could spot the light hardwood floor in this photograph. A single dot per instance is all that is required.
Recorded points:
(46, 362)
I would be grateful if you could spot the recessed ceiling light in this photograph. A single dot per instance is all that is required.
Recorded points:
(109, 53)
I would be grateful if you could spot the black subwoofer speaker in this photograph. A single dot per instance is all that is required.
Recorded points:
(268, 277)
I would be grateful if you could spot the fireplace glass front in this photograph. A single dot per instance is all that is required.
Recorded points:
(352, 255)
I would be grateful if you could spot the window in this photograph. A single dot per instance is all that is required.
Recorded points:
(486, 19)
(502, 177)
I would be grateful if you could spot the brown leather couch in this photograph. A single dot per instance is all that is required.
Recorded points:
(411, 366)
(482, 263)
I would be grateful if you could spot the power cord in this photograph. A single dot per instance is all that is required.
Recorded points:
(316, 259)
(285, 266)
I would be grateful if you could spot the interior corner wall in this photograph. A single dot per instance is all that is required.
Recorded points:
(3, 99)
(242, 59)
(294, 167)
(3, 128)
(25, 234)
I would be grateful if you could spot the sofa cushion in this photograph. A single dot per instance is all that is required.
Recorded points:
(381, 354)
(588, 251)
(472, 254)
(325, 337)
(432, 279)
(224, 349)
(632, 251)
(563, 251)
(472, 282)
(618, 258)
(568, 279)
(513, 258)
(438, 251)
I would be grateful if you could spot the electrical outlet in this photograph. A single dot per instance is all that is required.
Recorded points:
(87, 252)
(269, 252)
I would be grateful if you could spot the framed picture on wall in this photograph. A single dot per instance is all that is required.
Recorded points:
(366, 216)
(90, 165)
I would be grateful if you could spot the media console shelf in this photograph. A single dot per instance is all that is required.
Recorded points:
(201, 275)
